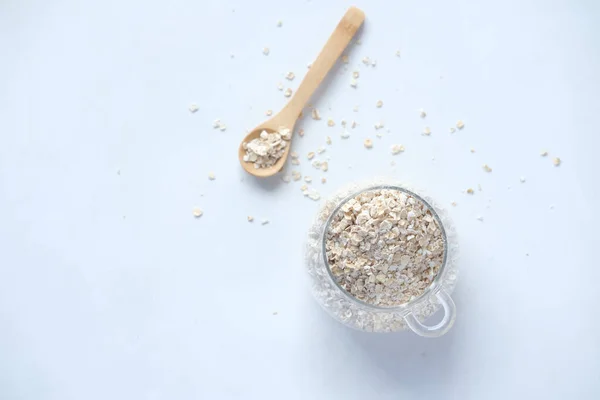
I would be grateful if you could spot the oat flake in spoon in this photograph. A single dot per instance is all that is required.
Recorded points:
(384, 247)
(267, 149)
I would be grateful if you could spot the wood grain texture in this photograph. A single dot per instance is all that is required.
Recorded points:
(287, 117)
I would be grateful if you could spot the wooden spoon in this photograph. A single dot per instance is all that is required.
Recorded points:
(287, 117)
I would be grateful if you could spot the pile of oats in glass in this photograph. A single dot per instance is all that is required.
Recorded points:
(384, 247)
(268, 148)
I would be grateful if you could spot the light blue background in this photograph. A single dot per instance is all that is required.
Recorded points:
(110, 289)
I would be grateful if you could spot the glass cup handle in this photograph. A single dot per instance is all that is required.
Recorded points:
(443, 326)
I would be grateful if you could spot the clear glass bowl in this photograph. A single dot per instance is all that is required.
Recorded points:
(357, 314)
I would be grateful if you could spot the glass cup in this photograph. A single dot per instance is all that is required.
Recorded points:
(360, 315)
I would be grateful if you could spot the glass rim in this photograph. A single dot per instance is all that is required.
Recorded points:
(435, 283)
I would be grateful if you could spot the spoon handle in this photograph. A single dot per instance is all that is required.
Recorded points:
(337, 42)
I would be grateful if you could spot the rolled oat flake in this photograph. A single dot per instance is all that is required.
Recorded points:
(384, 247)
(267, 149)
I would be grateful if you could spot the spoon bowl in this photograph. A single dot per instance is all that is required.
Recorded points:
(255, 133)
(287, 117)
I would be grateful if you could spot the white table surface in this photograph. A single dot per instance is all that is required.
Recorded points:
(110, 289)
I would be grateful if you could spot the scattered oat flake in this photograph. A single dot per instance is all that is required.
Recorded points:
(353, 83)
(470, 191)
(355, 109)
(378, 125)
(345, 134)
(397, 148)
(452, 130)
(293, 154)
(480, 218)
(379, 103)
(366, 60)
(300, 132)
(353, 124)
(295, 161)
(265, 51)
(313, 195)
(330, 122)
(280, 86)
(472, 150)
(345, 59)
(288, 92)
(355, 74)
(460, 124)
(522, 179)
(279, 23)
(197, 212)
(274, 312)
(193, 108)
(368, 143)
(311, 155)
(426, 131)
(544, 153)
(307, 179)
(316, 164)
(323, 180)
(487, 168)
(290, 76)
(250, 218)
(453, 204)
(217, 124)
(303, 188)
(422, 113)
(315, 114)
(269, 112)
(211, 176)
(320, 150)
(328, 139)
(286, 178)
(324, 166)
(308, 65)
(264, 222)
(296, 175)
(556, 161)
